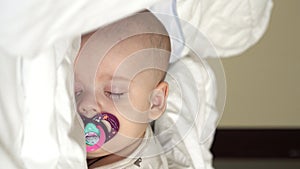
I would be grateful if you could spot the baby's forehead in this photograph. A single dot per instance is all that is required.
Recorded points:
(143, 51)
(95, 48)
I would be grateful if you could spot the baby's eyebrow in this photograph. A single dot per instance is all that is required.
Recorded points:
(120, 78)
(116, 78)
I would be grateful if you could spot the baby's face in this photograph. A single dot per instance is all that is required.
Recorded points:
(115, 90)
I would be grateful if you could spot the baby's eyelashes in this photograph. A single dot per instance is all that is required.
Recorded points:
(78, 89)
(78, 93)
(113, 95)
(115, 91)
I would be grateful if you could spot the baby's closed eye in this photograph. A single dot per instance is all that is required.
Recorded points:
(116, 90)
(78, 89)
(113, 95)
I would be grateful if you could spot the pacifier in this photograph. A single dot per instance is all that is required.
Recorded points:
(99, 129)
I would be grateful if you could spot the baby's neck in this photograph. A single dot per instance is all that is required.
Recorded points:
(112, 158)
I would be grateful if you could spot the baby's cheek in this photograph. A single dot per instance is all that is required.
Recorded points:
(139, 99)
(132, 129)
(140, 90)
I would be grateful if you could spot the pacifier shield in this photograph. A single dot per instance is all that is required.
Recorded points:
(99, 129)
(92, 134)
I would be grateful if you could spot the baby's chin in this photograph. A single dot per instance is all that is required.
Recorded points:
(98, 153)
(111, 148)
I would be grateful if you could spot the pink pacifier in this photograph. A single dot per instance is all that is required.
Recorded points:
(99, 129)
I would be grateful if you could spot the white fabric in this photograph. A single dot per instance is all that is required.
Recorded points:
(31, 26)
(231, 25)
(166, 12)
(39, 126)
(180, 128)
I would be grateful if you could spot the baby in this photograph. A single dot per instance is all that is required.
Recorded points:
(120, 89)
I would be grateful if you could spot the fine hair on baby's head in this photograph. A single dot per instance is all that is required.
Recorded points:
(119, 80)
(143, 28)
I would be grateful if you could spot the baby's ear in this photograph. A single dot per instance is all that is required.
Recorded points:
(158, 100)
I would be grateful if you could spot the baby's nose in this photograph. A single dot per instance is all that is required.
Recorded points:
(88, 108)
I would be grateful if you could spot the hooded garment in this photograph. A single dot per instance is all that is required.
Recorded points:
(39, 41)
(148, 155)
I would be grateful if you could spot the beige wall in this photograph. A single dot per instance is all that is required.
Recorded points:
(263, 84)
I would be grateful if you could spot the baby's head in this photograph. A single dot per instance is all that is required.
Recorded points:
(119, 82)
